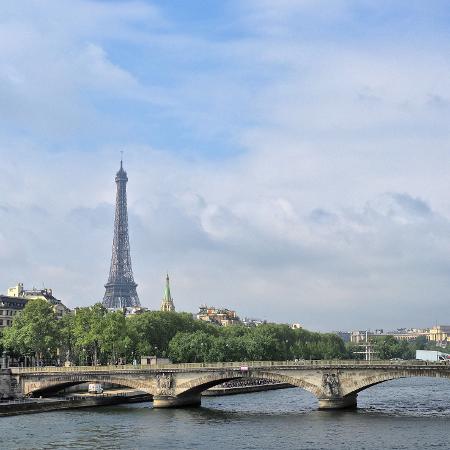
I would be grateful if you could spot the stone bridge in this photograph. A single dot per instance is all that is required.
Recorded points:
(335, 384)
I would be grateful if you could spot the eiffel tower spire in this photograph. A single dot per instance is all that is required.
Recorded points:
(121, 288)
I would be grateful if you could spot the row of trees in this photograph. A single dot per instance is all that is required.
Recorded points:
(265, 342)
(92, 335)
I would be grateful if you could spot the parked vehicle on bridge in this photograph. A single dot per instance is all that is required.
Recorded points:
(95, 388)
(432, 355)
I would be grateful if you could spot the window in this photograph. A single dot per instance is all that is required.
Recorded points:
(1, 322)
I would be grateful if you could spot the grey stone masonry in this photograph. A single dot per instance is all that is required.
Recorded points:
(335, 384)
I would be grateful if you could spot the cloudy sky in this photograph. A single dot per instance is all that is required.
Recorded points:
(288, 159)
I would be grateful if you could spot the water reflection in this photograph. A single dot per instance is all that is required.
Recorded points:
(409, 413)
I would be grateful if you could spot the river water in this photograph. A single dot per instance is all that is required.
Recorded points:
(400, 414)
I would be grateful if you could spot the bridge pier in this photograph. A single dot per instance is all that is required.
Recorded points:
(168, 401)
(347, 402)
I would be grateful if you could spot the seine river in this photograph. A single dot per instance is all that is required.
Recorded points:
(401, 414)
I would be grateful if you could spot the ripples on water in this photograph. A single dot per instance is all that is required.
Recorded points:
(401, 414)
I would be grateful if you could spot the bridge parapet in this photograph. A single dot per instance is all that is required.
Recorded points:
(229, 365)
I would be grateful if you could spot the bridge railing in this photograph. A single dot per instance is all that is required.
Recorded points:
(242, 365)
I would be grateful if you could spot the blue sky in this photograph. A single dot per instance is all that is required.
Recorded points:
(288, 159)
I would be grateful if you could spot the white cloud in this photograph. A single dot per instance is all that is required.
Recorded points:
(331, 210)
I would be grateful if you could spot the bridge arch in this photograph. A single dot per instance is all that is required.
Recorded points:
(53, 384)
(200, 384)
(373, 380)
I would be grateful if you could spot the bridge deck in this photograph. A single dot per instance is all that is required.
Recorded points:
(315, 364)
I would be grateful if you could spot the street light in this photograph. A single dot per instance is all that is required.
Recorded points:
(201, 352)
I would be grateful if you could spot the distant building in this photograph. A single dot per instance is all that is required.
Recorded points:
(440, 334)
(220, 316)
(133, 310)
(344, 335)
(409, 334)
(167, 301)
(401, 334)
(246, 321)
(9, 306)
(359, 336)
(18, 292)
(154, 361)
(296, 326)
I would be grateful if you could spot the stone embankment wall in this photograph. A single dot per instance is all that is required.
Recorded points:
(6, 387)
(34, 406)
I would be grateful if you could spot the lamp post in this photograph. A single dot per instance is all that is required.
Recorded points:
(201, 352)
(4, 360)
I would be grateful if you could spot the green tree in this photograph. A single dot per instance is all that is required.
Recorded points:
(88, 332)
(151, 332)
(388, 347)
(34, 331)
(191, 347)
(265, 342)
(113, 342)
(67, 344)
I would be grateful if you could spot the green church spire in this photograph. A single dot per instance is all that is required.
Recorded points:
(167, 301)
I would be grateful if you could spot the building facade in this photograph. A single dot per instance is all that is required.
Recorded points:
(401, 334)
(250, 322)
(44, 294)
(17, 297)
(440, 334)
(9, 307)
(220, 316)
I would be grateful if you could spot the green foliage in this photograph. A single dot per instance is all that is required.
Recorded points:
(151, 332)
(92, 335)
(88, 331)
(114, 339)
(265, 342)
(34, 331)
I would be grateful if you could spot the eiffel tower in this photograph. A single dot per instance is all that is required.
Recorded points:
(121, 288)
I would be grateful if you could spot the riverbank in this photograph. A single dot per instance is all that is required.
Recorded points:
(244, 389)
(35, 405)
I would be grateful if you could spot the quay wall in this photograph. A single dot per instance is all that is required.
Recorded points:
(6, 390)
(28, 407)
